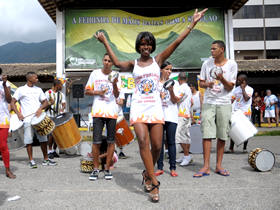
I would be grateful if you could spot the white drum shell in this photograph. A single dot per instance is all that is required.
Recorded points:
(15, 123)
(196, 139)
(241, 128)
(85, 148)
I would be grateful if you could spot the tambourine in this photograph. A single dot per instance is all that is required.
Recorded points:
(113, 75)
(168, 83)
(215, 71)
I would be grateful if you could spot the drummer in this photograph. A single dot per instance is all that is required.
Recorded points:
(104, 110)
(5, 98)
(57, 105)
(216, 108)
(242, 98)
(32, 101)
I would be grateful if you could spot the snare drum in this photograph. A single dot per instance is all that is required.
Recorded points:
(123, 133)
(66, 132)
(42, 124)
(241, 128)
(261, 159)
(86, 165)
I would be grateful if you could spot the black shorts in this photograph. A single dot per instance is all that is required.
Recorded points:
(98, 125)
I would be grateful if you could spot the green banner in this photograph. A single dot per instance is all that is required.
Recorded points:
(84, 51)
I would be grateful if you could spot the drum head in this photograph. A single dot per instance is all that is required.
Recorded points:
(35, 120)
(265, 160)
(62, 118)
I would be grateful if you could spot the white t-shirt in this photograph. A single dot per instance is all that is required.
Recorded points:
(218, 94)
(268, 100)
(121, 96)
(58, 101)
(30, 99)
(240, 103)
(185, 95)
(4, 111)
(103, 106)
(170, 110)
(196, 102)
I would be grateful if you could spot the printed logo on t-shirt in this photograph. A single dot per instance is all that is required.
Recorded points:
(165, 97)
(146, 86)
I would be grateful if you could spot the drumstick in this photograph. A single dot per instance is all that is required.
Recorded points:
(29, 115)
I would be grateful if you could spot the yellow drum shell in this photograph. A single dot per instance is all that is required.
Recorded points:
(67, 135)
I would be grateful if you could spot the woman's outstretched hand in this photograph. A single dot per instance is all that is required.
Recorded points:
(198, 15)
(100, 36)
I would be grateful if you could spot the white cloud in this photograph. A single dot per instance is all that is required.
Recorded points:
(24, 20)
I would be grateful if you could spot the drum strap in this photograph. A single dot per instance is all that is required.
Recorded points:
(57, 102)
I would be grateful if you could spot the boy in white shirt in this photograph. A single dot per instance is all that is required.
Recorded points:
(217, 76)
(242, 96)
(32, 99)
(57, 105)
(184, 120)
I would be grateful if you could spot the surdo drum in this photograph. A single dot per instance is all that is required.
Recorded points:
(42, 124)
(15, 139)
(261, 159)
(241, 128)
(66, 132)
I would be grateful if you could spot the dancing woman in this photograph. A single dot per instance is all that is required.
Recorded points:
(146, 111)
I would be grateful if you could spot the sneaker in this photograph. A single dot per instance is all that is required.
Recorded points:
(32, 164)
(108, 175)
(180, 160)
(55, 154)
(186, 161)
(122, 155)
(49, 162)
(94, 175)
(51, 155)
(245, 151)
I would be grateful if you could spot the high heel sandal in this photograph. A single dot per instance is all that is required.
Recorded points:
(147, 187)
(155, 197)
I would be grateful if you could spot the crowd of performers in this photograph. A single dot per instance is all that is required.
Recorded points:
(155, 109)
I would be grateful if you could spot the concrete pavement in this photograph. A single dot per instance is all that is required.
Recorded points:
(65, 187)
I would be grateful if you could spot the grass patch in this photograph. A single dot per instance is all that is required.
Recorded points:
(268, 133)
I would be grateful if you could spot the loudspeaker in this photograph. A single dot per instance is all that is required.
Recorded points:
(78, 91)
(77, 119)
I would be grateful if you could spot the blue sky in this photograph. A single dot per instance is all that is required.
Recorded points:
(25, 21)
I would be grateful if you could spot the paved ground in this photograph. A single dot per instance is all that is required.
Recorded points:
(65, 187)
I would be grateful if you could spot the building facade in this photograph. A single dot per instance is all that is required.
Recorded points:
(256, 28)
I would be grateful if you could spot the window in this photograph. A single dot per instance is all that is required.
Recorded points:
(252, 11)
(272, 33)
(250, 57)
(272, 11)
(273, 54)
(248, 34)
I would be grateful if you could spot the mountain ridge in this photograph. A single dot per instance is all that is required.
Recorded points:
(34, 52)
